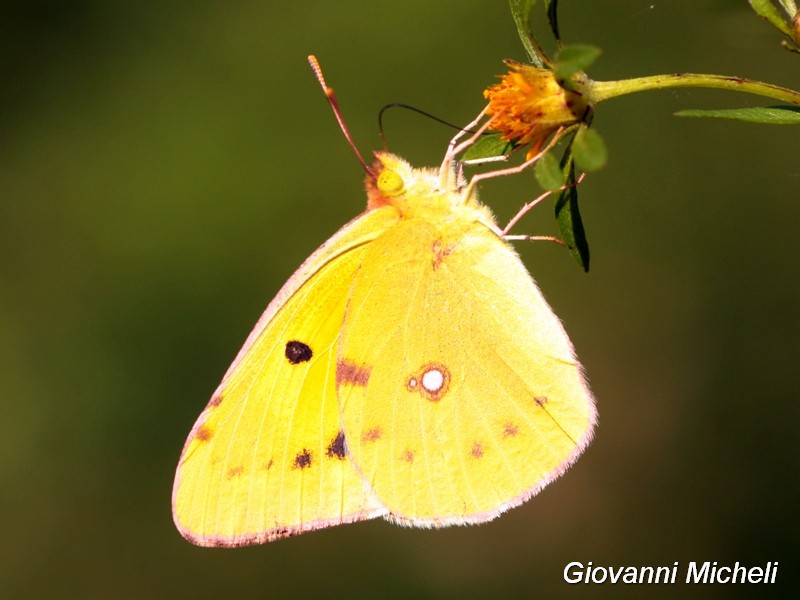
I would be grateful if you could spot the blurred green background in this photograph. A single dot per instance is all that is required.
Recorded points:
(164, 167)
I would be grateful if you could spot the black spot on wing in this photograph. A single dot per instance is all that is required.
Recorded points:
(298, 352)
(337, 449)
(303, 459)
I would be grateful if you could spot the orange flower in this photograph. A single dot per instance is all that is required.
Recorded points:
(529, 105)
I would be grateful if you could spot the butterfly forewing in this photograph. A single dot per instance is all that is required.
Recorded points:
(266, 459)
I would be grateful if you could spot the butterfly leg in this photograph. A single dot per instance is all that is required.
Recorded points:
(524, 210)
(512, 170)
(534, 238)
(453, 150)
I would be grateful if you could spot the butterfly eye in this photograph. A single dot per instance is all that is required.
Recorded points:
(390, 183)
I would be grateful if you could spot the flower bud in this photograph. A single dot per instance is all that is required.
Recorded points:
(529, 105)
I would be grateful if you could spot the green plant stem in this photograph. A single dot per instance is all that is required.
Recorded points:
(597, 91)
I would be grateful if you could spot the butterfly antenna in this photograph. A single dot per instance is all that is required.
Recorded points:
(419, 111)
(312, 60)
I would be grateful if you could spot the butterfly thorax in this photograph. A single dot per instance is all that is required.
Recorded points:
(417, 194)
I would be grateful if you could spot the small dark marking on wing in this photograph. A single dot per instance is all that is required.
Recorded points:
(303, 459)
(337, 448)
(440, 253)
(372, 435)
(477, 450)
(298, 352)
(204, 433)
(348, 372)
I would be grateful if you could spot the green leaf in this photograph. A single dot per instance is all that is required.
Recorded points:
(521, 11)
(589, 150)
(574, 58)
(488, 146)
(548, 172)
(552, 15)
(568, 217)
(767, 10)
(771, 115)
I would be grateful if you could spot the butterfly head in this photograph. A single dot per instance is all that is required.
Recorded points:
(392, 181)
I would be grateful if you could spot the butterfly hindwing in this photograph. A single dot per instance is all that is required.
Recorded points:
(267, 459)
(470, 399)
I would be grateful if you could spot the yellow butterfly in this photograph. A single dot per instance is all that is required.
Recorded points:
(409, 369)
